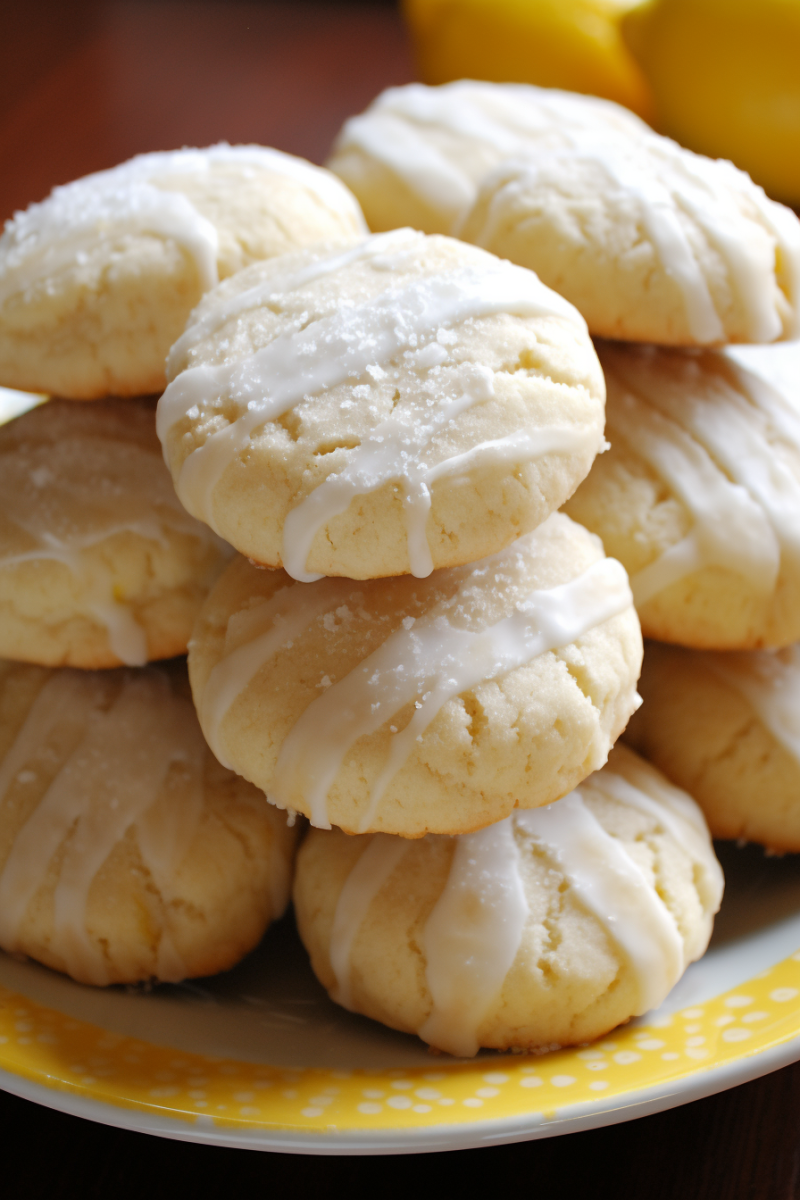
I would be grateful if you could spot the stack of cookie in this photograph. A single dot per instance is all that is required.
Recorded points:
(412, 643)
(126, 851)
(673, 256)
(435, 656)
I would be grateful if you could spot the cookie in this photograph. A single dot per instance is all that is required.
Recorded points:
(99, 563)
(650, 242)
(407, 706)
(418, 154)
(727, 728)
(98, 280)
(699, 496)
(127, 852)
(406, 404)
(547, 929)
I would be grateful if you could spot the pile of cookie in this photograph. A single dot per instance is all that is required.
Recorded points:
(127, 852)
(408, 641)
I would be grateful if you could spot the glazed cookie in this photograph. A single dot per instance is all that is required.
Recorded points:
(547, 929)
(408, 706)
(99, 563)
(97, 281)
(699, 496)
(650, 242)
(418, 154)
(727, 728)
(126, 852)
(406, 404)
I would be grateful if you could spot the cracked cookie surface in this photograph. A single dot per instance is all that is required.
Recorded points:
(98, 280)
(407, 404)
(127, 853)
(544, 931)
(726, 728)
(99, 563)
(409, 705)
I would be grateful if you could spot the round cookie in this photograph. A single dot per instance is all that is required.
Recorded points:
(98, 280)
(547, 929)
(406, 404)
(127, 852)
(99, 563)
(417, 155)
(408, 706)
(650, 242)
(727, 728)
(699, 496)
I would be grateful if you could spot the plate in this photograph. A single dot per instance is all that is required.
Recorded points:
(260, 1058)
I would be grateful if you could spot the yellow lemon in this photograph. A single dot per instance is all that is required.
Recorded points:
(572, 44)
(726, 79)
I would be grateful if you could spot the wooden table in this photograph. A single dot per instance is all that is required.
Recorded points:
(83, 86)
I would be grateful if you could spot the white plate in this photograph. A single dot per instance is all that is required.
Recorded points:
(260, 1058)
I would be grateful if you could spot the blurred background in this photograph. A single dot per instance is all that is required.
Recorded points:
(87, 84)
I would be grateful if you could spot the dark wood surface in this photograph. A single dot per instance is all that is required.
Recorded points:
(83, 86)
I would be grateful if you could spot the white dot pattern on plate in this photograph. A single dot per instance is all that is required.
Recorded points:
(43, 1045)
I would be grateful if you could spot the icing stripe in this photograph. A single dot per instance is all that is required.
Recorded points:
(101, 489)
(277, 285)
(442, 142)
(127, 199)
(362, 885)
(402, 128)
(50, 236)
(341, 347)
(376, 462)
(729, 456)
(428, 662)
(770, 683)
(474, 932)
(611, 885)
(289, 612)
(646, 790)
(730, 529)
(91, 803)
(673, 190)
(472, 936)
(659, 214)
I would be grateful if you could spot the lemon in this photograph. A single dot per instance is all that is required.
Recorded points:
(726, 79)
(571, 44)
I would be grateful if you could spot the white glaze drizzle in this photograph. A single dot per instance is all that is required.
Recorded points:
(546, 131)
(674, 810)
(128, 199)
(376, 462)
(614, 888)
(472, 936)
(645, 789)
(424, 170)
(770, 683)
(468, 960)
(731, 458)
(277, 284)
(494, 122)
(287, 614)
(345, 346)
(370, 873)
(124, 489)
(94, 799)
(674, 189)
(127, 639)
(428, 662)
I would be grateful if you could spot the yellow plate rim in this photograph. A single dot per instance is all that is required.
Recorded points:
(81, 1068)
